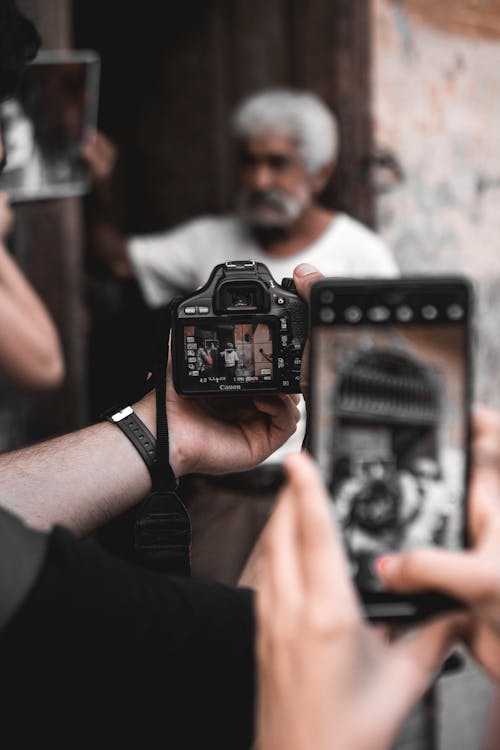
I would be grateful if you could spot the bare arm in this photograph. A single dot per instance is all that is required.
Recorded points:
(107, 242)
(84, 479)
(80, 480)
(30, 352)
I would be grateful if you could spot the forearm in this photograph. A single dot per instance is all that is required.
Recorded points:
(30, 357)
(81, 480)
(84, 479)
(13, 282)
(110, 246)
(30, 351)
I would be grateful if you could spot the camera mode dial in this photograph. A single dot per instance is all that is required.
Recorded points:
(289, 285)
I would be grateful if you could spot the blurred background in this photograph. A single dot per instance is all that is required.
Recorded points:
(416, 88)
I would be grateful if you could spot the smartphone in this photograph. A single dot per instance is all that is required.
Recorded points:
(45, 124)
(390, 391)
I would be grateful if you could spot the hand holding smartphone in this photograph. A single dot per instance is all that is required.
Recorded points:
(390, 428)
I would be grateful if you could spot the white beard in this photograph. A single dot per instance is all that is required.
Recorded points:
(275, 211)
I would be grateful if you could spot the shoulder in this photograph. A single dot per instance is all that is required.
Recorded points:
(364, 243)
(211, 226)
(191, 230)
(349, 227)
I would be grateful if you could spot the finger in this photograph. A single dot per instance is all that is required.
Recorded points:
(413, 662)
(485, 421)
(279, 573)
(105, 149)
(486, 437)
(457, 574)
(484, 645)
(382, 632)
(274, 404)
(484, 499)
(285, 415)
(304, 277)
(322, 557)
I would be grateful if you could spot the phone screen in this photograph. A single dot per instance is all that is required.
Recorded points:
(390, 395)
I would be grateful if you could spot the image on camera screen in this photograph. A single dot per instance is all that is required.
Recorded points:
(221, 355)
(390, 434)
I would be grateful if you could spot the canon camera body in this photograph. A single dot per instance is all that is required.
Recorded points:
(241, 333)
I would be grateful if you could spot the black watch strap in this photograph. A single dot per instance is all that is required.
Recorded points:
(138, 434)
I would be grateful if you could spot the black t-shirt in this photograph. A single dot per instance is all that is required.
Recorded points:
(104, 653)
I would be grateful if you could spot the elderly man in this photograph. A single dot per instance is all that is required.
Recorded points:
(287, 145)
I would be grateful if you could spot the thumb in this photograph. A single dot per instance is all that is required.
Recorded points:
(453, 573)
(304, 277)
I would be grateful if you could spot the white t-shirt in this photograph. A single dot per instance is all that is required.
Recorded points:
(230, 357)
(181, 259)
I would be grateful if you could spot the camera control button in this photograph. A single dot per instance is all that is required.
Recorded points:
(284, 324)
(289, 285)
(190, 310)
(203, 310)
(280, 301)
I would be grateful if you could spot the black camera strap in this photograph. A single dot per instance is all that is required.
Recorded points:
(162, 533)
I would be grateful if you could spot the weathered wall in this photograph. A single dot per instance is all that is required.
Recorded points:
(436, 108)
(436, 105)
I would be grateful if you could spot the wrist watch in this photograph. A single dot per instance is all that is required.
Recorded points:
(137, 432)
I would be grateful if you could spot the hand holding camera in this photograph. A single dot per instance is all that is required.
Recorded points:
(220, 434)
(241, 333)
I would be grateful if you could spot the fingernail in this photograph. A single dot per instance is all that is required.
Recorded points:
(384, 564)
(304, 269)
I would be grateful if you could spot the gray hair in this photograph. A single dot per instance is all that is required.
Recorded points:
(300, 115)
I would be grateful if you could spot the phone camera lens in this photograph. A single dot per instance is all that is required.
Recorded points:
(326, 296)
(378, 314)
(327, 315)
(455, 312)
(429, 312)
(352, 314)
(404, 313)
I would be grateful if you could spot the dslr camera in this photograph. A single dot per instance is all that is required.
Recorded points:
(241, 333)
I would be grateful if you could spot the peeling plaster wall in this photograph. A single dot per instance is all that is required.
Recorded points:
(436, 107)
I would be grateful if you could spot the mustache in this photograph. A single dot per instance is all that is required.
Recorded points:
(270, 198)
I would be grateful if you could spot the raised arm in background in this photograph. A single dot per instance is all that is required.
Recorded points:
(30, 351)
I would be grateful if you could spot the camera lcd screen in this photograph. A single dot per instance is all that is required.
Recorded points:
(228, 356)
(390, 436)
